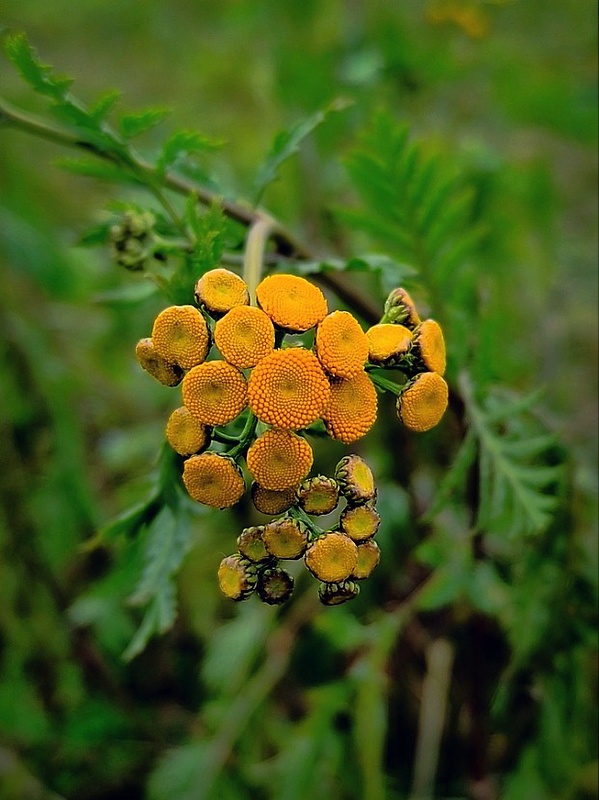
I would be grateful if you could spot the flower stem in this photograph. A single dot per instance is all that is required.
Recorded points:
(253, 259)
(385, 384)
(246, 435)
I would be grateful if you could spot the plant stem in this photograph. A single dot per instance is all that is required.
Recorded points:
(244, 437)
(253, 258)
(300, 515)
(386, 384)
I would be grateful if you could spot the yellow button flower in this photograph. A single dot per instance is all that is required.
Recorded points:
(214, 392)
(236, 578)
(341, 344)
(214, 480)
(164, 372)
(244, 336)
(429, 346)
(185, 434)
(423, 402)
(387, 343)
(332, 557)
(272, 502)
(220, 290)
(355, 479)
(293, 303)
(279, 459)
(369, 555)
(288, 389)
(360, 522)
(285, 538)
(180, 335)
(351, 411)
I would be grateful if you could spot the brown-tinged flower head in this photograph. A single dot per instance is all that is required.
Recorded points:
(355, 479)
(285, 538)
(333, 594)
(251, 545)
(181, 336)
(399, 307)
(279, 459)
(236, 577)
(360, 522)
(387, 343)
(294, 304)
(214, 392)
(332, 557)
(163, 371)
(213, 479)
(319, 495)
(288, 389)
(429, 346)
(341, 344)
(244, 336)
(351, 410)
(275, 586)
(369, 555)
(423, 401)
(271, 502)
(185, 434)
(220, 290)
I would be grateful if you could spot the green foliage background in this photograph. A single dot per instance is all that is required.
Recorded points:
(244, 702)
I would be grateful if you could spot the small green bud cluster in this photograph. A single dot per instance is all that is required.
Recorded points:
(132, 239)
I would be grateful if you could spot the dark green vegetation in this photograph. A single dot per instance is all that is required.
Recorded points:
(484, 602)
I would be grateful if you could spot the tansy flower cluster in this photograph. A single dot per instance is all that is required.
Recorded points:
(338, 557)
(251, 395)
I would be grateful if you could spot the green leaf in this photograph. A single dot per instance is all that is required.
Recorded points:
(286, 143)
(455, 478)
(182, 144)
(97, 169)
(131, 125)
(99, 110)
(39, 76)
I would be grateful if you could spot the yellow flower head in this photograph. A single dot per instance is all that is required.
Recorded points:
(422, 403)
(288, 389)
(220, 290)
(341, 345)
(214, 480)
(185, 434)
(272, 502)
(285, 538)
(332, 557)
(387, 343)
(166, 373)
(214, 392)
(244, 336)
(360, 522)
(333, 594)
(279, 459)
(351, 411)
(275, 586)
(180, 335)
(429, 346)
(251, 546)
(399, 307)
(319, 495)
(369, 555)
(293, 303)
(355, 479)
(236, 577)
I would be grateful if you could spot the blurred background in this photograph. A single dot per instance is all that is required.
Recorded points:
(305, 702)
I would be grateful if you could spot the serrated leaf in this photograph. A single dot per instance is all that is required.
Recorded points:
(97, 169)
(182, 144)
(99, 110)
(131, 125)
(39, 76)
(286, 143)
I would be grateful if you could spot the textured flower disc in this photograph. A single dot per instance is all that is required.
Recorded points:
(319, 495)
(279, 459)
(271, 502)
(236, 578)
(185, 434)
(341, 345)
(275, 586)
(251, 545)
(293, 303)
(332, 558)
(333, 594)
(164, 372)
(213, 480)
(351, 411)
(360, 522)
(388, 343)
(429, 346)
(181, 336)
(369, 555)
(288, 389)
(355, 479)
(214, 392)
(399, 307)
(285, 538)
(220, 290)
(423, 402)
(244, 336)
